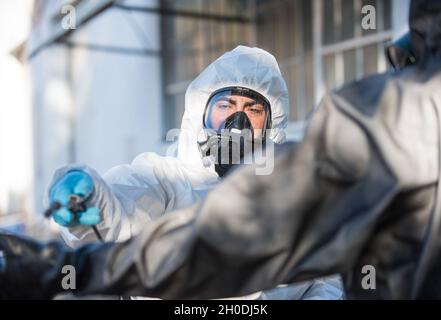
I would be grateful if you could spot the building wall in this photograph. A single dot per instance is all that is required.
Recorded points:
(15, 118)
(96, 106)
(117, 96)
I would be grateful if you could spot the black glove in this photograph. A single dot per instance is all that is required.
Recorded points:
(30, 269)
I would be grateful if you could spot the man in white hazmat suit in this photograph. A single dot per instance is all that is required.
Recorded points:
(242, 86)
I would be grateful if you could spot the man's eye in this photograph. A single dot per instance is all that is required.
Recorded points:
(223, 105)
(255, 111)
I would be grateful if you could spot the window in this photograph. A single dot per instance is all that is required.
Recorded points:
(349, 51)
(312, 59)
(284, 28)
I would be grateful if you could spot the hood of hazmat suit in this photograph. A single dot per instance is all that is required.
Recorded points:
(246, 67)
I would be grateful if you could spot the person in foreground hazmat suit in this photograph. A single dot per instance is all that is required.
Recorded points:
(243, 91)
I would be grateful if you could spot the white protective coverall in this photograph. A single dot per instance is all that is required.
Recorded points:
(131, 195)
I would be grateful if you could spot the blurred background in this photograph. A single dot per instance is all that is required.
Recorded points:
(113, 86)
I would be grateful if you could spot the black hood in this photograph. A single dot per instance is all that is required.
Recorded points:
(425, 27)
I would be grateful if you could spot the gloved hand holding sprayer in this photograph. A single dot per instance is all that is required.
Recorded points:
(69, 199)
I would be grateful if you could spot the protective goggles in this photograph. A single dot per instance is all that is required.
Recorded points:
(399, 53)
(225, 102)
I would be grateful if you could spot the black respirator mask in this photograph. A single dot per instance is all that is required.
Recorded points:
(229, 135)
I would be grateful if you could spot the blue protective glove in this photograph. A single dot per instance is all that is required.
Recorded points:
(78, 183)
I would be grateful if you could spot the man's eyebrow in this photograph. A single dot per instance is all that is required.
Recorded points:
(252, 103)
(229, 100)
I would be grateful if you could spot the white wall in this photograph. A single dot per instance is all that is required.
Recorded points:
(117, 97)
(95, 107)
(52, 112)
(15, 133)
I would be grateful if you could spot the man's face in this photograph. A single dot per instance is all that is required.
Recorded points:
(229, 104)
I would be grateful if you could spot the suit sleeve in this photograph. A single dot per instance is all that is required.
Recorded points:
(128, 196)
